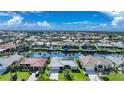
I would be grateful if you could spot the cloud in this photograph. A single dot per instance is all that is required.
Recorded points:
(4, 14)
(14, 21)
(44, 24)
(9, 13)
(38, 24)
(86, 25)
(103, 25)
(117, 19)
(113, 13)
(82, 22)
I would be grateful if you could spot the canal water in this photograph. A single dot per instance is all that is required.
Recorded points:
(105, 55)
(55, 54)
(71, 55)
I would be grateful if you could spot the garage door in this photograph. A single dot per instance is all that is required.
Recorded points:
(90, 68)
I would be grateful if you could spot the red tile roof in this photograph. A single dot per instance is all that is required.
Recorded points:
(34, 62)
(7, 45)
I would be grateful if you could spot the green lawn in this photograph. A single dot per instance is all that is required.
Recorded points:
(21, 75)
(5, 77)
(77, 76)
(114, 77)
(44, 76)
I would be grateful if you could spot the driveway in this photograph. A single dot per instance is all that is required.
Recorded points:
(32, 77)
(92, 75)
(54, 75)
(91, 72)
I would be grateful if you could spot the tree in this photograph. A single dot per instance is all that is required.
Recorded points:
(68, 75)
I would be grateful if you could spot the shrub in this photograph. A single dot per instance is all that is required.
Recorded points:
(60, 71)
(37, 74)
(86, 74)
(105, 78)
(14, 77)
(23, 79)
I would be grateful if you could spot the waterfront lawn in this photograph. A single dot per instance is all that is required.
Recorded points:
(21, 75)
(113, 77)
(77, 76)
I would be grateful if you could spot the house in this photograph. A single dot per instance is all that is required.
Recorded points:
(120, 45)
(6, 61)
(70, 45)
(38, 44)
(6, 46)
(33, 64)
(116, 59)
(59, 63)
(90, 62)
(1, 40)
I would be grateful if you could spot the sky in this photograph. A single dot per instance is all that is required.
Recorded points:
(62, 20)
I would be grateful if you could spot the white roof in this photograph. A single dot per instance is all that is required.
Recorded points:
(120, 44)
(2, 50)
(69, 61)
(55, 62)
(8, 60)
(38, 43)
(104, 44)
(61, 62)
(117, 59)
(1, 40)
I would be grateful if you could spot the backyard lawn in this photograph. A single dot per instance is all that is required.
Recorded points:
(21, 75)
(114, 77)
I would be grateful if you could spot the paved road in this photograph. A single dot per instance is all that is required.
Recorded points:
(32, 77)
(54, 75)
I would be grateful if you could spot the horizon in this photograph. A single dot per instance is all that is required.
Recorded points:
(24, 30)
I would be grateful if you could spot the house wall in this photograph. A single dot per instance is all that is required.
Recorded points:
(35, 69)
(26, 67)
(54, 68)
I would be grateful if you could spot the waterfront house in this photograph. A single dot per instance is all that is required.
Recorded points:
(116, 59)
(59, 63)
(6, 61)
(33, 64)
(7, 46)
(90, 62)
(120, 44)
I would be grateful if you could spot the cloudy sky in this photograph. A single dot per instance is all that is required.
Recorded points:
(62, 20)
